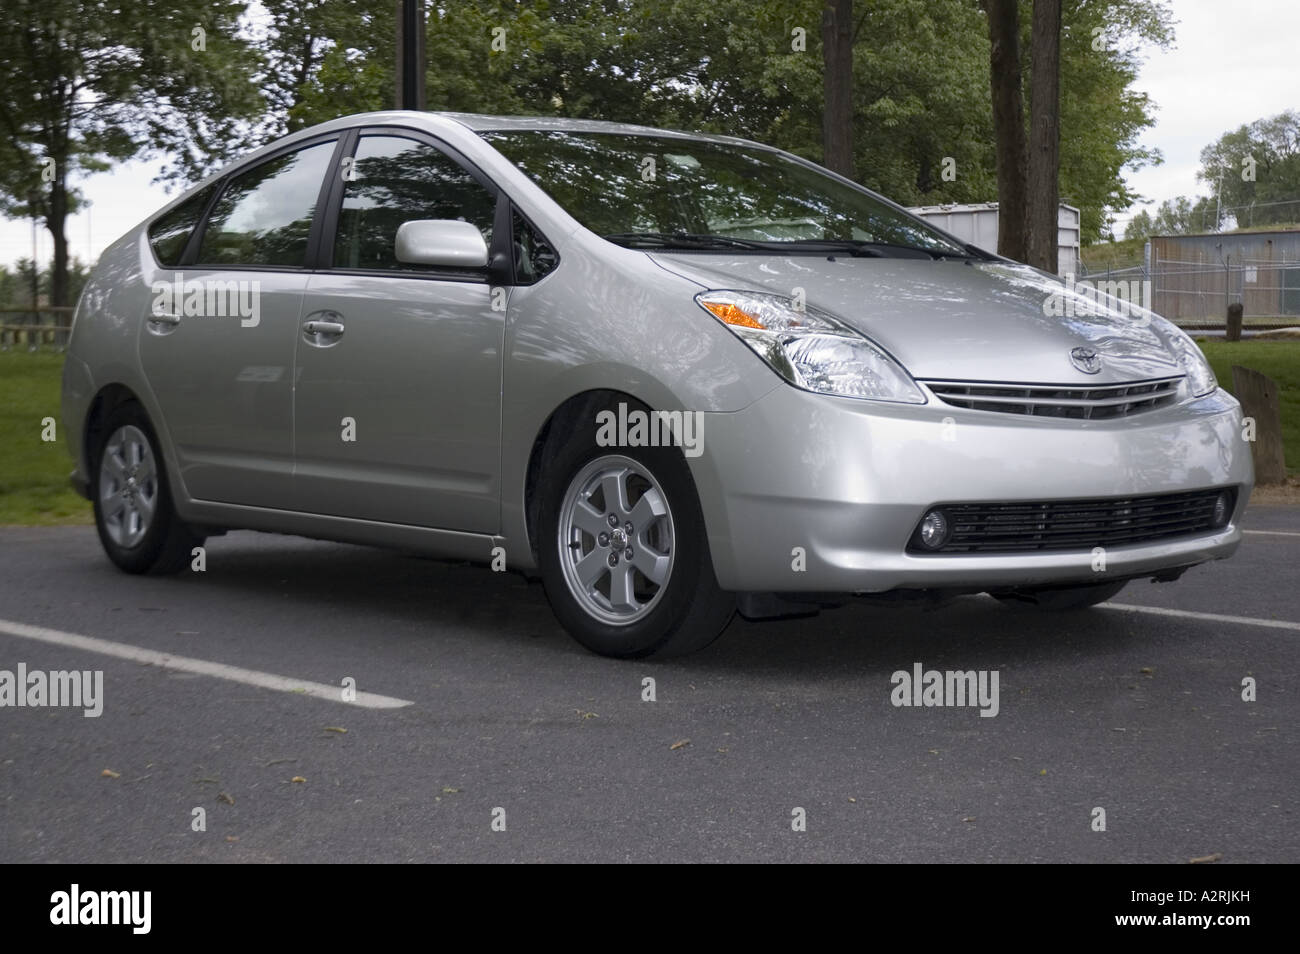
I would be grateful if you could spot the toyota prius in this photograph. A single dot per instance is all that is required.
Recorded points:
(671, 375)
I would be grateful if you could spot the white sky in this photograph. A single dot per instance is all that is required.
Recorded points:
(1234, 61)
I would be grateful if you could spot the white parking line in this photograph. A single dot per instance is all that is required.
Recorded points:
(1212, 617)
(250, 677)
(1274, 533)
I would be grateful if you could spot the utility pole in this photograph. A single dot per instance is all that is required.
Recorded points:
(410, 54)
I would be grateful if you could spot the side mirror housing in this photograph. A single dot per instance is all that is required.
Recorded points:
(449, 243)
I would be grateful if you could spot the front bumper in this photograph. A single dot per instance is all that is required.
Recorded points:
(809, 493)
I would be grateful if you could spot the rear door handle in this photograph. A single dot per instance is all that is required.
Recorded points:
(164, 323)
(323, 328)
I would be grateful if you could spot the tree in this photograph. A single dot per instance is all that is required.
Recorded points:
(1042, 215)
(1008, 126)
(837, 57)
(1140, 226)
(921, 117)
(1257, 167)
(1184, 216)
(87, 82)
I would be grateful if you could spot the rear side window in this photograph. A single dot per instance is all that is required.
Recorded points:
(169, 233)
(264, 215)
(394, 180)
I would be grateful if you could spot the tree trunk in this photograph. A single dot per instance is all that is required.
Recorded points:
(1044, 135)
(1008, 125)
(56, 222)
(837, 80)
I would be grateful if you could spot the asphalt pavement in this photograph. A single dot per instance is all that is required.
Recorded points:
(488, 734)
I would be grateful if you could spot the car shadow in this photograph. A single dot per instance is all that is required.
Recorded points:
(435, 598)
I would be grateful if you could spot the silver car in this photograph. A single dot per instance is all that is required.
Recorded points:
(672, 375)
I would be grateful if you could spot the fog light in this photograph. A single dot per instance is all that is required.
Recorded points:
(1222, 510)
(934, 530)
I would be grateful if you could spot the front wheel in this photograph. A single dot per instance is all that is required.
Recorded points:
(1053, 598)
(623, 554)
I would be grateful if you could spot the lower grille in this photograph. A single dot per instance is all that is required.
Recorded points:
(1074, 524)
(1047, 400)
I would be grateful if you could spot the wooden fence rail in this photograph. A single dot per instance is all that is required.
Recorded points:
(36, 333)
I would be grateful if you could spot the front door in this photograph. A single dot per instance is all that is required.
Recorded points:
(397, 404)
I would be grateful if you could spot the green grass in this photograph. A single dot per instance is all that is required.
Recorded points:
(34, 473)
(1280, 360)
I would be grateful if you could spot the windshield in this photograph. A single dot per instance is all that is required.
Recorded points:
(660, 191)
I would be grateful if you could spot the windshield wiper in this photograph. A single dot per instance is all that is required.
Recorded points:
(865, 249)
(691, 240)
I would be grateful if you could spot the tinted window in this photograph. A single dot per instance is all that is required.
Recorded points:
(264, 215)
(170, 232)
(534, 257)
(394, 180)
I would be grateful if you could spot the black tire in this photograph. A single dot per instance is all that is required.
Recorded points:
(162, 544)
(1055, 598)
(683, 614)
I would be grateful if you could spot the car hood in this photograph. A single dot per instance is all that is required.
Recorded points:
(954, 320)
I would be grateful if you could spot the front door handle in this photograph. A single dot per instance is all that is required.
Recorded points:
(323, 328)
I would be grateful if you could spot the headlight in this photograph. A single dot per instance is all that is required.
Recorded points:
(810, 349)
(1200, 376)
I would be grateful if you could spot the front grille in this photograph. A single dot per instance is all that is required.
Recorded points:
(1052, 400)
(1074, 524)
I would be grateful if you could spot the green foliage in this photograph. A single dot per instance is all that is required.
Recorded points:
(1184, 216)
(920, 77)
(86, 83)
(34, 487)
(1280, 360)
(1139, 227)
(1257, 164)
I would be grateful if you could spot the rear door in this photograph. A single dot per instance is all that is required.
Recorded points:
(218, 342)
(397, 409)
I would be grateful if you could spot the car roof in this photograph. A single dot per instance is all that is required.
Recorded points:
(482, 122)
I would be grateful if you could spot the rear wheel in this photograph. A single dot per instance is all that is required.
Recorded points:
(1060, 597)
(623, 554)
(138, 526)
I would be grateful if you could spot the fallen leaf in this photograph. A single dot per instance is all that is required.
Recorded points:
(969, 818)
(681, 744)
(232, 838)
(934, 751)
(448, 790)
(1043, 772)
(223, 797)
(1205, 859)
(1146, 670)
(336, 728)
(853, 800)
(297, 778)
(586, 715)
(109, 773)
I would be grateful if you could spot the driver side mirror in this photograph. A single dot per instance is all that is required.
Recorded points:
(449, 243)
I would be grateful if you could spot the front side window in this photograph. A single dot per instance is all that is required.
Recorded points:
(661, 191)
(393, 180)
(264, 215)
(169, 233)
